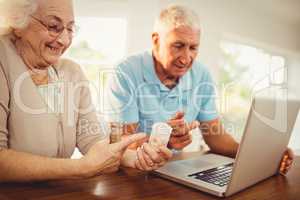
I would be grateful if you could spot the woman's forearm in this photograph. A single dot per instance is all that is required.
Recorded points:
(24, 167)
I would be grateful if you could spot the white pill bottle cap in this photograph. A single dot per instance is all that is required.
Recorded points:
(161, 132)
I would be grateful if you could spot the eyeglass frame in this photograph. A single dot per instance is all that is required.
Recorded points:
(57, 34)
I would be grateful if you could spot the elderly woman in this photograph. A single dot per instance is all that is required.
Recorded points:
(45, 103)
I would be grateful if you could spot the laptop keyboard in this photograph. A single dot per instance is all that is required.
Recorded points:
(218, 176)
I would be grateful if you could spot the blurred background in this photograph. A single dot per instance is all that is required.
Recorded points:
(246, 44)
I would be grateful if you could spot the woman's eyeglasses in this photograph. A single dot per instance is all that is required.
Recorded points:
(55, 26)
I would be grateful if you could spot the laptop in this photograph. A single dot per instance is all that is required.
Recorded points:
(266, 136)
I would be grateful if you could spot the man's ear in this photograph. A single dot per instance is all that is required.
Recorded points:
(155, 40)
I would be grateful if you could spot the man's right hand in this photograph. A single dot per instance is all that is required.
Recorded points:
(181, 136)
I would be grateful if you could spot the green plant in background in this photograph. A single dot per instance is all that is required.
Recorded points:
(235, 92)
(89, 58)
(82, 51)
(91, 61)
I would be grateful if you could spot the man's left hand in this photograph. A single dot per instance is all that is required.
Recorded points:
(286, 162)
(180, 136)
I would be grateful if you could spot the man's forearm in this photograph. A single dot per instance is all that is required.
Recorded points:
(218, 140)
(24, 167)
(222, 144)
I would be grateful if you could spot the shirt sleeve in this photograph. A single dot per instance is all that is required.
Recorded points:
(121, 102)
(207, 92)
(89, 127)
(4, 110)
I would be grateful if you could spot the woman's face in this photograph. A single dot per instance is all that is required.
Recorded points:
(49, 32)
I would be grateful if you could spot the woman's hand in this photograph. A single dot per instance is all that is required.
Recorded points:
(151, 157)
(106, 158)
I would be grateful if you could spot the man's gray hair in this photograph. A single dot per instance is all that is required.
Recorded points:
(175, 16)
(15, 14)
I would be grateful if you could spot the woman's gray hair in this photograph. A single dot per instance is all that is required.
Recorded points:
(15, 14)
(175, 16)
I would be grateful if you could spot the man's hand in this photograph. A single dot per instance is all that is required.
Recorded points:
(286, 162)
(180, 136)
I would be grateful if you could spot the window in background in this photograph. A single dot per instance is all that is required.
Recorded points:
(244, 70)
(98, 45)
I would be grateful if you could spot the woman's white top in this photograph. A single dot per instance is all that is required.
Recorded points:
(52, 93)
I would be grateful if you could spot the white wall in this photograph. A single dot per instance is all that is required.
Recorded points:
(294, 89)
(294, 75)
(233, 19)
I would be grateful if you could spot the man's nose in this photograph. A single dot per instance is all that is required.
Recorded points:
(185, 58)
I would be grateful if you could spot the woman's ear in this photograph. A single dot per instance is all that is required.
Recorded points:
(17, 32)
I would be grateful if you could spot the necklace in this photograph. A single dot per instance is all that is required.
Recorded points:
(39, 78)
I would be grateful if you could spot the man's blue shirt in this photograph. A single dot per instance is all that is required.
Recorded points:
(136, 95)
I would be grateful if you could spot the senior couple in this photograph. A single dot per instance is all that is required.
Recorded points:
(39, 130)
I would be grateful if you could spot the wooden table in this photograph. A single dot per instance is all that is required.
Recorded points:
(132, 184)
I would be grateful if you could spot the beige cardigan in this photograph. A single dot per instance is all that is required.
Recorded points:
(25, 124)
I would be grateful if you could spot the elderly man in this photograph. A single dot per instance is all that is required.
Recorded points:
(168, 85)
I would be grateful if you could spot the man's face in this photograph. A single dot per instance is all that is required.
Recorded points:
(45, 46)
(176, 50)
